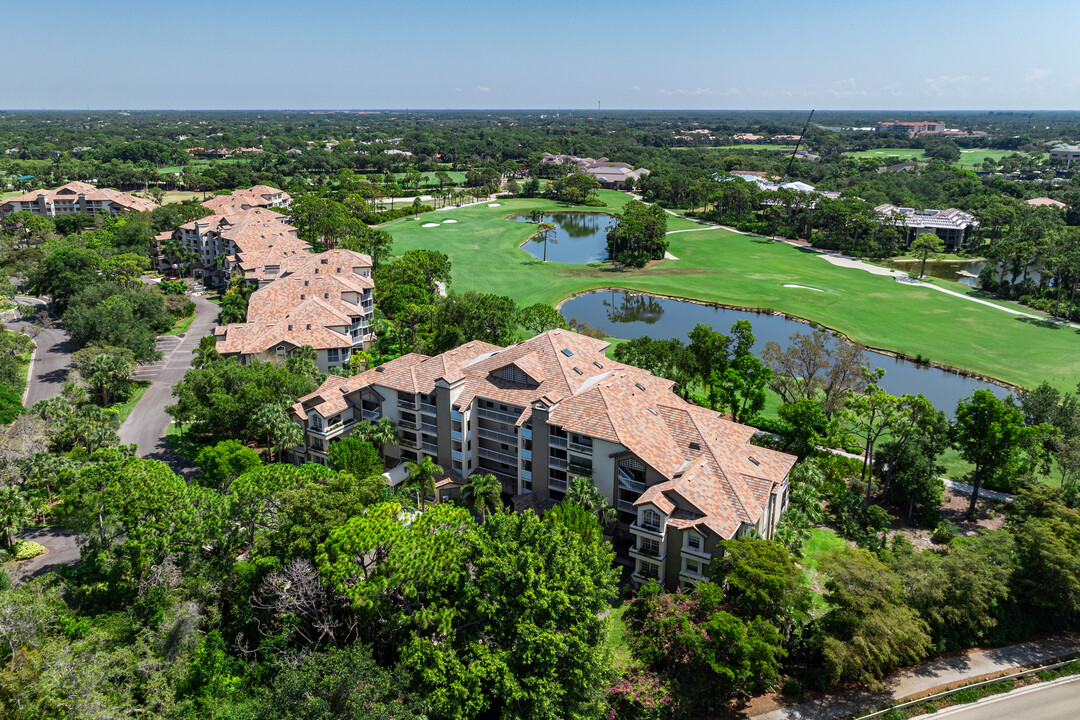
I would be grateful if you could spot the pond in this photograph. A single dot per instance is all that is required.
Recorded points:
(629, 315)
(961, 271)
(578, 238)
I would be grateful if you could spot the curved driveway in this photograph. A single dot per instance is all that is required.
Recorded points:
(147, 423)
(52, 356)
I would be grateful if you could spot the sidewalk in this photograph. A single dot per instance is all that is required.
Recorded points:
(929, 676)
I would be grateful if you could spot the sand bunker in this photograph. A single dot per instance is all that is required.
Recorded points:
(803, 287)
(494, 204)
(430, 225)
(449, 221)
(669, 256)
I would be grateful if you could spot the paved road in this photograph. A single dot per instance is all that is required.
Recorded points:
(1058, 700)
(52, 358)
(930, 675)
(147, 423)
(61, 547)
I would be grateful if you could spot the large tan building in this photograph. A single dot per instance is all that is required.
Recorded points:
(322, 300)
(258, 196)
(75, 197)
(541, 412)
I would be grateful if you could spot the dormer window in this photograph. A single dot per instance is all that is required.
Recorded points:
(693, 541)
(650, 520)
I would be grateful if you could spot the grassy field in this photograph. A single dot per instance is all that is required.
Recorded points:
(175, 196)
(821, 541)
(138, 387)
(615, 640)
(968, 157)
(181, 325)
(724, 267)
(429, 178)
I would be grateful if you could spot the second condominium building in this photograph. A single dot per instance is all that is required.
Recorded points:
(554, 407)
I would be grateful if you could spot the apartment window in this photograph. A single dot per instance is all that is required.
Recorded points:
(693, 567)
(649, 545)
(316, 422)
(650, 519)
(693, 542)
(650, 570)
(332, 355)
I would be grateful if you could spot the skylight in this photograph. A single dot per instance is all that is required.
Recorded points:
(567, 352)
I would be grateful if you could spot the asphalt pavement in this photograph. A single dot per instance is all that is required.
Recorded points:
(61, 547)
(52, 356)
(1056, 700)
(147, 423)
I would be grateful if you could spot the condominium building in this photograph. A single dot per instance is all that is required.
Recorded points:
(255, 242)
(75, 197)
(321, 300)
(953, 226)
(258, 196)
(1067, 154)
(554, 407)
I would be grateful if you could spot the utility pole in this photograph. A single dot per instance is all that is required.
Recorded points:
(796, 150)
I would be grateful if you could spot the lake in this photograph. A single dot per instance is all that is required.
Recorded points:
(578, 238)
(629, 315)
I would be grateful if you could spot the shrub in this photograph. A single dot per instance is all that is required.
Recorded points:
(944, 533)
(639, 695)
(792, 687)
(173, 287)
(27, 549)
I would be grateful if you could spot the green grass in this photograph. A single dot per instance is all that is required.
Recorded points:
(975, 156)
(183, 444)
(181, 325)
(968, 157)
(616, 631)
(138, 389)
(727, 268)
(430, 180)
(821, 541)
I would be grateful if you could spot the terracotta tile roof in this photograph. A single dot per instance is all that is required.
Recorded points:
(259, 337)
(284, 293)
(256, 196)
(73, 190)
(715, 477)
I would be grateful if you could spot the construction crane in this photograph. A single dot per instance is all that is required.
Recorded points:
(796, 150)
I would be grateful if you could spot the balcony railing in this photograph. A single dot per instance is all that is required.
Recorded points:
(652, 530)
(497, 436)
(455, 415)
(580, 448)
(581, 470)
(557, 463)
(455, 435)
(646, 553)
(430, 428)
(407, 423)
(526, 432)
(526, 475)
(427, 407)
(627, 506)
(555, 483)
(409, 442)
(403, 403)
(627, 480)
(498, 416)
(430, 448)
(496, 455)
(526, 454)
(555, 441)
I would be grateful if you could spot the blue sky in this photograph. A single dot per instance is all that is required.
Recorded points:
(693, 54)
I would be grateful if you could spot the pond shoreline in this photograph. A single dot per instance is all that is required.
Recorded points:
(963, 372)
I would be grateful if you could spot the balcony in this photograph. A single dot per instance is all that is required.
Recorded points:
(557, 463)
(555, 441)
(648, 555)
(455, 415)
(526, 475)
(695, 553)
(526, 432)
(409, 443)
(430, 448)
(652, 531)
(456, 454)
(526, 454)
(403, 403)
(580, 470)
(627, 506)
(497, 436)
(407, 423)
(371, 415)
(498, 456)
(579, 448)
(692, 576)
(643, 579)
(427, 408)
(555, 483)
(456, 435)
(498, 416)
(430, 428)
(629, 482)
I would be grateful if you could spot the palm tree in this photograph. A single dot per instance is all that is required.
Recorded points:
(378, 433)
(423, 476)
(581, 491)
(272, 422)
(15, 512)
(482, 491)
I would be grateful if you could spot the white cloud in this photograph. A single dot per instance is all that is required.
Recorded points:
(1036, 74)
(663, 91)
(695, 91)
(636, 88)
(958, 86)
(457, 89)
(481, 88)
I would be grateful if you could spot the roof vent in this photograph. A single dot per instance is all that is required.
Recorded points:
(578, 370)
(380, 369)
(344, 388)
(653, 411)
(695, 446)
(640, 387)
(754, 460)
(308, 326)
(567, 352)
(597, 364)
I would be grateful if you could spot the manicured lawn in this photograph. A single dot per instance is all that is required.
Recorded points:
(175, 196)
(456, 177)
(182, 325)
(724, 267)
(975, 156)
(902, 154)
(183, 444)
(821, 541)
(615, 635)
(138, 388)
